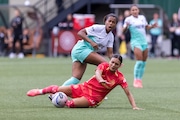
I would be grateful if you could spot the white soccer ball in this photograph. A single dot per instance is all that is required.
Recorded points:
(59, 99)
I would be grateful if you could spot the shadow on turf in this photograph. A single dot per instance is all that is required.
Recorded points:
(86, 108)
(111, 107)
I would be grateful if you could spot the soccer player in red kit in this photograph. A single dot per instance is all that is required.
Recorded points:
(92, 92)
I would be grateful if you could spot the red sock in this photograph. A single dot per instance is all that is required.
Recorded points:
(70, 104)
(50, 89)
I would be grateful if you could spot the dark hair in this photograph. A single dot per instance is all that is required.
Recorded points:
(118, 56)
(110, 15)
(136, 5)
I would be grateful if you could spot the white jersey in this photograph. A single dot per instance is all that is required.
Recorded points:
(137, 27)
(98, 34)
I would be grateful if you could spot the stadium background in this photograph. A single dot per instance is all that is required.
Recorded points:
(50, 18)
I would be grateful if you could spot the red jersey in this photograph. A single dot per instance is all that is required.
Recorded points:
(97, 91)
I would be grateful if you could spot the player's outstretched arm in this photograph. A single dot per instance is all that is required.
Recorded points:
(131, 99)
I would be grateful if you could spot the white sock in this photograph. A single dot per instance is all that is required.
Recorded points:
(40, 91)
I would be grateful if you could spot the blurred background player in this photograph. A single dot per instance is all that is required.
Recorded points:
(175, 35)
(17, 33)
(155, 33)
(3, 41)
(92, 92)
(67, 24)
(137, 26)
(119, 35)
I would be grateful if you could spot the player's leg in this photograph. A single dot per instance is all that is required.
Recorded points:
(13, 51)
(78, 70)
(14, 44)
(94, 58)
(50, 89)
(21, 52)
(153, 44)
(138, 67)
(81, 102)
(78, 54)
(145, 55)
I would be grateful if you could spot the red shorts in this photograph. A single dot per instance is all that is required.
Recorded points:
(77, 91)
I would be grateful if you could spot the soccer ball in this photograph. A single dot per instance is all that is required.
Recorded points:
(59, 99)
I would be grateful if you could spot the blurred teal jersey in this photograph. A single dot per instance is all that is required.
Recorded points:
(137, 27)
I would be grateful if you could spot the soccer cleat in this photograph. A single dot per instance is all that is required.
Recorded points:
(137, 84)
(50, 89)
(33, 92)
(50, 97)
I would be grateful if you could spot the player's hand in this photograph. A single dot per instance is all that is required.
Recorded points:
(94, 45)
(137, 108)
(155, 25)
(104, 82)
(128, 24)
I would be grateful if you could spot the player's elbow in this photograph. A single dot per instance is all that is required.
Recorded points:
(79, 33)
(82, 32)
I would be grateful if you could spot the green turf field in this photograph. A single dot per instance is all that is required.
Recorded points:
(160, 96)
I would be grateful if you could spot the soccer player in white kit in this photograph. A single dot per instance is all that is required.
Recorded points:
(94, 38)
(137, 25)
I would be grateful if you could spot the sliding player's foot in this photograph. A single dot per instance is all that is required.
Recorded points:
(33, 92)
